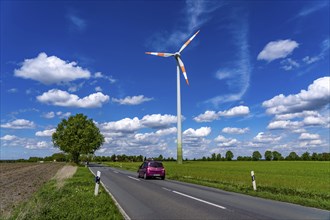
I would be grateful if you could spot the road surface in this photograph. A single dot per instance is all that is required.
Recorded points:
(167, 199)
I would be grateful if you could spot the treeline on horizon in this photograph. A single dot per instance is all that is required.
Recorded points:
(256, 156)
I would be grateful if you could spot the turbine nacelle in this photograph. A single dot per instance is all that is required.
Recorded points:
(177, 56)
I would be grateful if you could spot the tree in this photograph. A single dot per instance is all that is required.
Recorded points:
(214, 157)
(277, 155)
(229, 155)
(292, 156)
(268, 155)
(256, 155)
(305, 156)
(218, 157)
(77, 135)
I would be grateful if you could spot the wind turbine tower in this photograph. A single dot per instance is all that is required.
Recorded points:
(180, 64)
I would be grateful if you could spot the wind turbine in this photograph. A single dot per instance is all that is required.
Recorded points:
(180, 64)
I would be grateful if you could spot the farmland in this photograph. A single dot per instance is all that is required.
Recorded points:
(18, 181)
(301, 182)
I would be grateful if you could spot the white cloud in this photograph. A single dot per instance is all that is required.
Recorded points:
(63, 98)
(99, 75)
(134, 100)
(98, 89)
(226, 142)
(51, 70)
(38, 145)
(289, 64)
(45, 133)
(230, 130)
(167, 131)
(316, 97)
(208, 116)
(8, 138)
(235, 111)
(266, 138)
(287, 124)
(158, 120)
(310, 60)
(308, 136)
(277, 49)
(49, 115)
(201, 132)
(19, 124)
(125, 125)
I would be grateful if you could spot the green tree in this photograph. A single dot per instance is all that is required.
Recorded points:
(305, 156)
(268, 155)
(77, 135)
(229, 155)
(292, 156)
(256, 156)
(214, 157)
(218, 157)
(277, 155)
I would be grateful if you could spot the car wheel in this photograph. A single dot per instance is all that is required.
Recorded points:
(163, 177)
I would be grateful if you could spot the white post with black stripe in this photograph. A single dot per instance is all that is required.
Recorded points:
(253, 181)
(97, 183)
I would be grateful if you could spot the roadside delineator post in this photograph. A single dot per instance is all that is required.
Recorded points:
(97, 183)
(253, 181)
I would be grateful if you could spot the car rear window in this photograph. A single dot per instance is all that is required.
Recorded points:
(155, 164)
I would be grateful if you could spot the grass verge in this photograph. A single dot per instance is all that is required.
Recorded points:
(301, 182)
(74, 200)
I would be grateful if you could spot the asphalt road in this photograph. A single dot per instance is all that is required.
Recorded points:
(167, 199)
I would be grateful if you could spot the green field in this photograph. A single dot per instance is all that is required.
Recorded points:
(75, 200)
(301, 182)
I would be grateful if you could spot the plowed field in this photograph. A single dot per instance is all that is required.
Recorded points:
(18, 181)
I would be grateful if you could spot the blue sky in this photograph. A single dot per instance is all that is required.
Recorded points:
(258, 74)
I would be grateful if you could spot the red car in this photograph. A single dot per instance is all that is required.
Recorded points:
(151, 168)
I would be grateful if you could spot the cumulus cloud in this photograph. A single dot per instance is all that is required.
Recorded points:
(226, 142)
(235, 111)
(230, 130)
(38, 145)
(19, 124)
(266, 138)
(308, 136)
(63, 98)
(210, 116)
(51, 70)
(316, 97)
(45, 133)
(134, 100)
(201, 132)
(277, 49)
(126, 125)
(284, 124)
(158, 120)
(49, 115)
(8, 137)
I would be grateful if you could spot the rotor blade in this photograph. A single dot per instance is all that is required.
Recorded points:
(188, 41)
(183, 69)
(160, 54)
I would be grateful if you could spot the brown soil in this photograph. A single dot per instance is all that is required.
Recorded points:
(18, 181)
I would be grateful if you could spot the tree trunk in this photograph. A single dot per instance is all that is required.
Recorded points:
(75, 157)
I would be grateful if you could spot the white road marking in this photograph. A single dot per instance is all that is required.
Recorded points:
(133, 178)
(200, 200)
(166, 189)
(115, 171)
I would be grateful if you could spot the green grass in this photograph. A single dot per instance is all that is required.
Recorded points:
(75, 200)
(302, 182)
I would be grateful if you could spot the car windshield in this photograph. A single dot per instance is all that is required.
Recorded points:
(155, 164)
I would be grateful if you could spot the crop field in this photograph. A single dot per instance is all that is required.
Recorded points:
(301, 182)
(18, 181)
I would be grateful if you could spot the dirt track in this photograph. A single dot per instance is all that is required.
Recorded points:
(18, 181)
